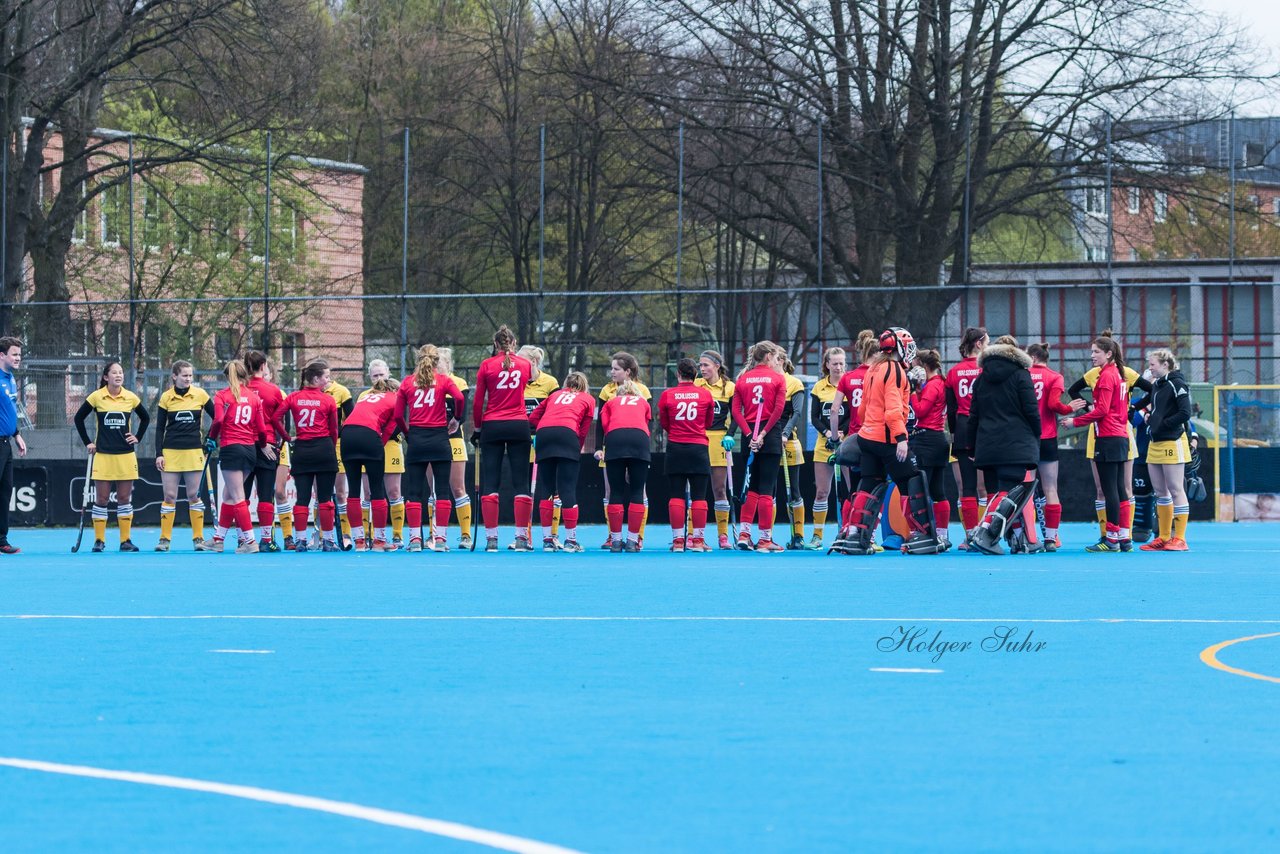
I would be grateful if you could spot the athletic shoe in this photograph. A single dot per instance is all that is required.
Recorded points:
(379, 545)
(268, 544)
(397, 542)
(214, 545)
(608, 543)
(697, 544)
(1103, 546)
(328, 546)
(247, 547)
(358, 544)
(571, 545)
(640, 543)
(724, 541)
(1156, 545)
(521, 544)
(1051, 545)
(6, 549)
(163, 545)
(550, 544)
(744, 542)
(316, 538)
(464, 542)
(491, 544)
(631, 546)
(1176, 544)
(1057, 542)
(677, 544)
(768, 547)
(99, 546)
(1126, 545)
(797, 543)
(415, 544)
(616, 546)
(128, 546)
(439, 544)
(815, 543)
(291, 545)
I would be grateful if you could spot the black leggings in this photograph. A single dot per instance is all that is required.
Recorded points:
(793, 494)
(415, 481)
(559, 477)
(323, 482)
(1004, 478)
(265, 480)
(375, 470)
(764, 473)
(1111, 477)
(627, 478)
(936, 476)
(880, 462)
(969, 476)
(517, 453)
(697, 485)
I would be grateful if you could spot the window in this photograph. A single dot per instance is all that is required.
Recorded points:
(1253, 208)
(1097, 251)
(1275, 206)
(153, 357)
(113, 214)
(225, 230)
(1161, 206)
(1254, 153)
(1193, 218)
(1095, 201)
(1135, 200)
(186, 212)
(153, 219)
(227, 344)
(80, 231)
(1133, 254)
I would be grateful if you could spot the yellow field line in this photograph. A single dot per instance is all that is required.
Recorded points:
(1210, 657)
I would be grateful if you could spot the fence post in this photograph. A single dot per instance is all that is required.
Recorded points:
(1228, 297)
(404, 262)
(680, 244)
(133, 303)
(542, 220)
(266, 260)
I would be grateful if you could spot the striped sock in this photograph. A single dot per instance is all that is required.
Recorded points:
(1181, 515)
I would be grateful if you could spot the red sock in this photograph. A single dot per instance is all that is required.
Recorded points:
(569, 515)
(969, 516)
(676, 513)
(1113, 531)
(226, 516)
(413, 517)
(635, 518)
(489, 511)
(858, 508)
(328, 515)
(443, 510)
(355, 517)
(942, 514)
(380, 510)
(749, 506)
(992, 503)
(300, 513)
(765, 513)
(1126, 514)
(243, 520)
(846, 513)
(615, 519)
(699, 515)
(547, 512)
(266, 515)
(1052, 515)
(524, 512)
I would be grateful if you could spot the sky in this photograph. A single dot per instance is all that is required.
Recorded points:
(1262, 20)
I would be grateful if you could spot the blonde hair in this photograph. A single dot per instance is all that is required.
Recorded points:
(762, 350)
(576, 381)
(535, 355)
(1165, 357)
(504, 342)
(236, 374)
(827, 356)
(379, 363)
(388, 384)
(444, 356)
(424, 372)
(627, 388)
(1009, 341)
(867, 345)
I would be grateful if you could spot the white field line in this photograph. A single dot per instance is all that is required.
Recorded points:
(424, 618)
(903, 670)
(245, 651)
(433, 826)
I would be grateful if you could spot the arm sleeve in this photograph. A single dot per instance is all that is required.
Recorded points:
(538, 412)
(345, 410)
(1077, 389)
(1103, 401)
(215, 427)
(584, 425)
(709, 417)
(815, 416)
(664, 414)
(1027, 398)
(333, 423)
(144, 420)
(738, 410)
(599, 425)
(895, 396)
(975, 413)
(1182, 414)
(162, 420)
(461, 397)
(797, 409)
(775, 415)
(1053, 395)
(477, 399)
(82, 414)
(1143, 385)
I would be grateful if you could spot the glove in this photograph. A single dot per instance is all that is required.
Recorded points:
(727, 443)
(210, 446)
(916, 377)
(832, 444)
(475, 438)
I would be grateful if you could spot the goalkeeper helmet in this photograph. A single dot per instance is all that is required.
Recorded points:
(897, 340)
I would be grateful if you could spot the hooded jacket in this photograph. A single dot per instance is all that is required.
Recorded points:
(1004, 417)
(1170, 408)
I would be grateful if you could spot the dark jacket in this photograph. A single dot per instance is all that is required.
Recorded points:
(1170, 408)
(1004, 418)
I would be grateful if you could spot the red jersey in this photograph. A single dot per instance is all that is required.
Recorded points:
(622, 413)
(238, 422)
(378, 412)
(850, 386)
(759, 396)
(686, 413)
(1048, 385)
(1110, 405)
(500, 391)
(565, 408)
(429, 407)
(272, 400)
(929, 404)
(314, 413)
(960, 382)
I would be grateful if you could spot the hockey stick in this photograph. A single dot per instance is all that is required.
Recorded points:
(786, 485)
(84, 501)
(751, 455)
(475, 533)
(728, 460)
(533, 492)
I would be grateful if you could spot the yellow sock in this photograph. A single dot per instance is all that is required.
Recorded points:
(645, 520)
(397, 518)
(819, 518)
(1164, 513)
(284, 515)
(126, 526)
(463, 511)
(555, 518)
(1102, 519)
(167, 513)
(99, 528)
(1180, 524)
(722, 522)
(797, 519)
(197, 523)
(345, 523)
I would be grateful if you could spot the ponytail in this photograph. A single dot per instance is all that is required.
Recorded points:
(504, 342)
(236, 373)
(424, 372)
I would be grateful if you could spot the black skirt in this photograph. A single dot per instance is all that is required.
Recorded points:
(313, 456)
(241, 458)
(626, 443)
(515, 430)
(1049, 450)
(687, 458)
(930, 448)
(428, 445)
(1111, 449)
(361, 443)
(558, 443)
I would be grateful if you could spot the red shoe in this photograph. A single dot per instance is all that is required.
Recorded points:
(744, 542)
(768, 547)
(1156, 545)
(677, 545)
(6, 549)
(697, 544)
(1176, 544)
(380, 545)
(724, 541)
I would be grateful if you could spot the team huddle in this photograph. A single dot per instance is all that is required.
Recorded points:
(369, 471)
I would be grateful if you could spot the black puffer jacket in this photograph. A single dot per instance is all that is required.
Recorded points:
(1004, 419)
(1170, 408)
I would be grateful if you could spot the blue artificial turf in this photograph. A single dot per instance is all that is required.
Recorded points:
(674, 731)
